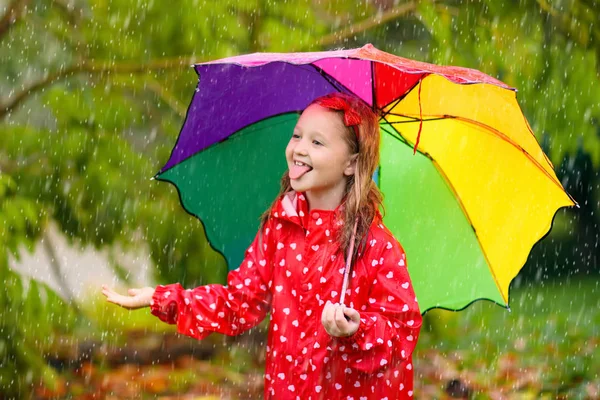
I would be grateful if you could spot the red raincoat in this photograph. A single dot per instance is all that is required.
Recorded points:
(299, 268)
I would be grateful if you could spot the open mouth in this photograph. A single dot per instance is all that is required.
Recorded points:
(298, 169)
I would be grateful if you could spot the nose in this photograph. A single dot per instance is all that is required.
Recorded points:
(300, 148)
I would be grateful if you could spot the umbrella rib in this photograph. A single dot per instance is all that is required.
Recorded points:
(338, 85)
(373, 88)
(460, 204)
(495, 132)
(391, 107)
(413, 119)
(235, 134)
(397, 135)
(392, 104)
(466, 214)
(516, 145)
(458, 200)
(187, 113)
(330, 79)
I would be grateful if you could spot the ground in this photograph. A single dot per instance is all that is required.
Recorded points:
(546, 347)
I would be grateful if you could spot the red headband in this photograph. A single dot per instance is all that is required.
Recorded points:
(351, 117)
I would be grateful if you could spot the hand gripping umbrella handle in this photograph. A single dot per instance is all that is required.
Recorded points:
(348, 259)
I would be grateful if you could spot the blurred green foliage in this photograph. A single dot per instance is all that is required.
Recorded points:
(93, 94)
(31, 314)
(546, 346)
(523, 46)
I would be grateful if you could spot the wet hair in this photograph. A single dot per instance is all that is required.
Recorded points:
(361, 196)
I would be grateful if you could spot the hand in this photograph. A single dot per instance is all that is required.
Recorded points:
(138, 298)
(339, 320)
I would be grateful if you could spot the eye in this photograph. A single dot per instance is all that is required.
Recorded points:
(317, 143)
(295, 136)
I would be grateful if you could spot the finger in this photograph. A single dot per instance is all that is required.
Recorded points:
(324, 313)
(133, 292)
(111, 299)
(108, 290)
(106, 287)
(331, 315)
(114, 295)
(352, 314)
(127, 302)
(329, 310)
(327, 319)
(340, 319)
(328, 315)
(117, 299)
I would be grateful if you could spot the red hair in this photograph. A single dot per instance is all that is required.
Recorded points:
(361, 196)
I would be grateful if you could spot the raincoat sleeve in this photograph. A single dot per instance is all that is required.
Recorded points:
(231, 309)
(390, 321)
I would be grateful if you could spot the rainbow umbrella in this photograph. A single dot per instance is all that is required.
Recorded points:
(467, 206)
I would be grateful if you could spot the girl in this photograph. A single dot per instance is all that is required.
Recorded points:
(341, 327)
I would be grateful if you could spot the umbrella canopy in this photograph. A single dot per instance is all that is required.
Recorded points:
(467, 207)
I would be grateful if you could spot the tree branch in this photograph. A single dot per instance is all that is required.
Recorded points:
(172, 101)
(155, 87)
(72, 14)
(13, 13)
(369, 23)
(546, 7)
(91, 66)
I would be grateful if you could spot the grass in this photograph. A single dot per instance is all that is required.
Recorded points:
(546, 345)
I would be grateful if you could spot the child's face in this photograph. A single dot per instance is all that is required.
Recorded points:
(318, 142)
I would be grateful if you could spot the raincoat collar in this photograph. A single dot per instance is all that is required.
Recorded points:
(293, 207)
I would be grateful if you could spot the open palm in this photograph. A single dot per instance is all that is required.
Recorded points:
(135, 298)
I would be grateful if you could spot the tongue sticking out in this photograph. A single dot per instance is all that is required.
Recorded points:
(296, 171)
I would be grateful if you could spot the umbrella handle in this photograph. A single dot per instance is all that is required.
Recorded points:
(347, 269)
